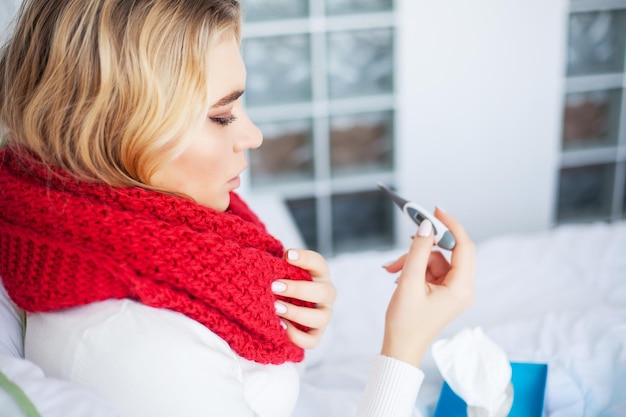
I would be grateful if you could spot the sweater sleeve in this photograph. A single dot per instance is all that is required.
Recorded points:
(391, 390)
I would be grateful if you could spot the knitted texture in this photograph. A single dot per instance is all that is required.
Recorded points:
(66, 243)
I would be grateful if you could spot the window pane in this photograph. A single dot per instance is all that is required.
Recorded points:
(286, 153)
(304, 213)
(596, 42)
(362, 221)
(256, 10)
(357, 6)
(585, 192)
(624, 202)
(361, 143)
(279, 69)
(591, 119)
(360, 62)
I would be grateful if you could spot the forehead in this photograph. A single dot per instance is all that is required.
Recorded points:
(226, 72)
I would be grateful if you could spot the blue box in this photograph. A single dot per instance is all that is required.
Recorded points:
(529, 387)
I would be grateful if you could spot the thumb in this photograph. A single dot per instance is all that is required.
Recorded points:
(417, 259)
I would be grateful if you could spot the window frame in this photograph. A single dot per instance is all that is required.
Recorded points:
(605, 154)
(323, 186)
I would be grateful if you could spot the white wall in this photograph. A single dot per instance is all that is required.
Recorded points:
(479, 109)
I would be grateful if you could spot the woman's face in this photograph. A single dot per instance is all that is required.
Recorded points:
(209, 168)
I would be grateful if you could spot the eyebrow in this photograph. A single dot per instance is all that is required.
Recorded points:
(228, 99)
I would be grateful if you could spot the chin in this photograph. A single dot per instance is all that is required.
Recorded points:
(217, 202)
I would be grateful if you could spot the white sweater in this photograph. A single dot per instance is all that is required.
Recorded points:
(159, 363)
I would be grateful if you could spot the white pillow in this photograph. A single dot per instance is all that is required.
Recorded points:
(10, 326)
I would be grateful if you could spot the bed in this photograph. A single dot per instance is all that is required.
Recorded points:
(555, 297)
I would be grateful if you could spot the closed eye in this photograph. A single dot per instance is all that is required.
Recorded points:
(224, 121)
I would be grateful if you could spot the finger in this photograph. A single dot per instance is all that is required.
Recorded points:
(437, 264)
(305, 340)
(313, 318)
(395, 266)
(318, 292)
(464, 249)
(430, 277)
(463, 256)
(414, 269)
(309, 260)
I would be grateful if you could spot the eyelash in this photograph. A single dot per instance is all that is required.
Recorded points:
(224, 121)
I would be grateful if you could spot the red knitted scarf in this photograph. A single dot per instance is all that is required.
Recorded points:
(66, 243)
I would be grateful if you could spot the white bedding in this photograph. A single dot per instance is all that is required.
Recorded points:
(557, 297)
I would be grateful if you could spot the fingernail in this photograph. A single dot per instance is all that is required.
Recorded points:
(292, 255)
(440, 209)
(385, 266)
(425, 229)
(278, 286)
(280, 308)
(283, 324)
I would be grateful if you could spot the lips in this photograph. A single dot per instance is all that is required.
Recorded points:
(234, 182)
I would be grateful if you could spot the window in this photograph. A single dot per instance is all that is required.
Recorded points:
(321, 88)
(592, 178)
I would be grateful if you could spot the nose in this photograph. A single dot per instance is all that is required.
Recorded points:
(249, 135)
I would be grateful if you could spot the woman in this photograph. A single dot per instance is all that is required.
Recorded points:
(145, 276)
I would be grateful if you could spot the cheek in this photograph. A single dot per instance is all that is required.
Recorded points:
(201, 170)
(201, 176)
(201, 166)
(206, 160)
(204, 152)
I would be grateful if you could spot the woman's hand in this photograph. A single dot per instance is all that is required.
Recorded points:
(431, 292)
(320, 291)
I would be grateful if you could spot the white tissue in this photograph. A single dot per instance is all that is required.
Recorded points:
(477, 370)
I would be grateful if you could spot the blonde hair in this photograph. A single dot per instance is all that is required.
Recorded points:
(104, 88)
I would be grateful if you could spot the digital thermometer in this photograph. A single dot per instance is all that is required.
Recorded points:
(443, 237)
